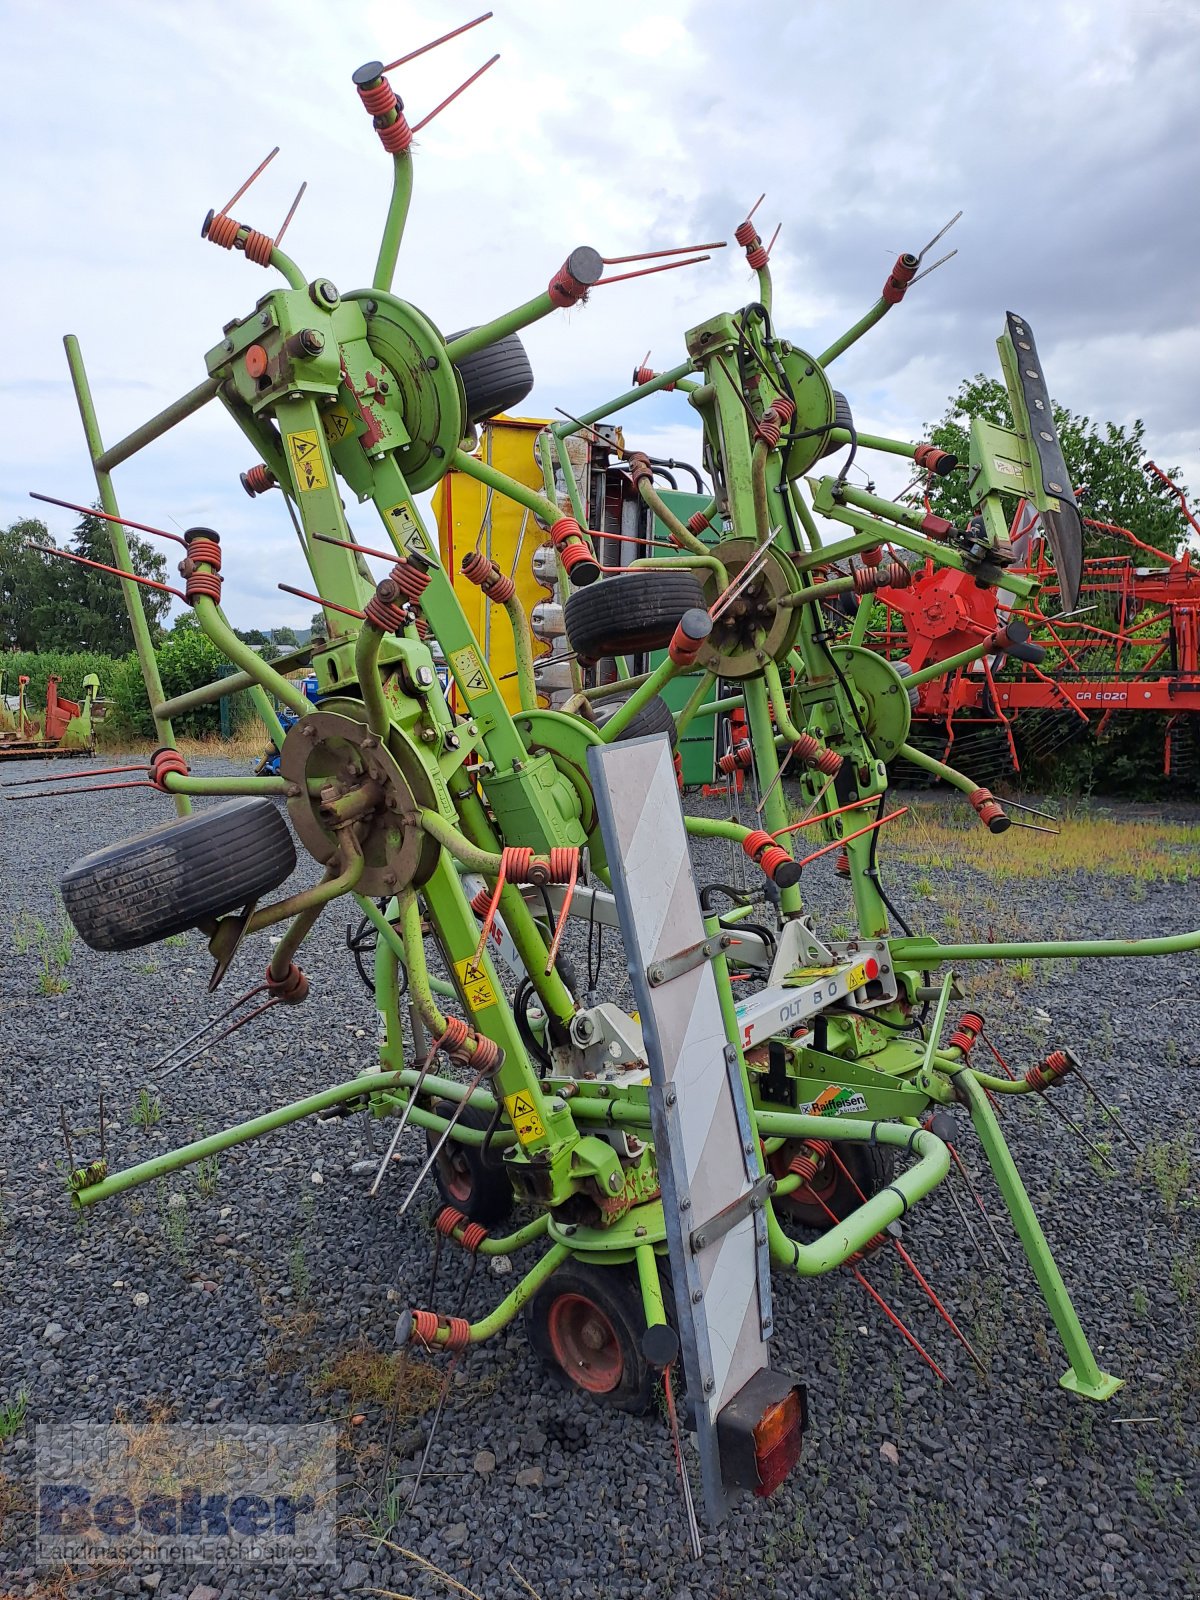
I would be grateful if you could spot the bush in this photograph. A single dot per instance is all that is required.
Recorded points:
(187, 659)
(70, 667)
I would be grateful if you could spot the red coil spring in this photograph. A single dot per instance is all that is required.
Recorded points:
(814, 754)
(481, 902)
(804, 1165)
(1056, 1065)
(292, 988)
(454, 1039)
(563, 860)
(473, 1235)
(477, 568)
(740, 756)
(968, 1030)
(783, 408)
(223, 231)
(757, 256)
(378, 97)
(755, 842)
(745, 233)
(898, 280)
(396, 137)
(487, 1054)
(257, 246)
(515, 862)
(842, 864)
(898, 576)
(768, 428)
(203, 583)
(258, 479)
(871, 557)
(447, 1220)
(565, 289)
(930, 456)
(385, 615)
(201, 548)
(162, 762)
(763, 850)
(575, 557)
(422, 628)
(868, 578)
(425, 1326)
(458, 1333)
(411, 579)
(986, 805)
(698, 523)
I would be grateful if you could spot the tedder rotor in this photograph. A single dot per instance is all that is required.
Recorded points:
(665, 1158)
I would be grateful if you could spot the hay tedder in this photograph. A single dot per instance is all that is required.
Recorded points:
(669, 1156)
(67, 726)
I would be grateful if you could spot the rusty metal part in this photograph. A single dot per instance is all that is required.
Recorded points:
(752, 628)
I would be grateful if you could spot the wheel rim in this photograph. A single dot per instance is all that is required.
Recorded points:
(585, 1343)
(456, 1175)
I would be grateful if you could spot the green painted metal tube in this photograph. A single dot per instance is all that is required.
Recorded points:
(509, 1307)
(844, 1238)
(625, 713)
(666, 563)
(208, 615)
(503, 1244)
(1084, 1375)
(715, 828)
(503, 484)
(500, 327)
(418, 968)
(579, 511)
(316, 898)
(523, 650)
(605, 691)
(691, 708)
(919, 953)
(800, 506)
(873, 441)
(159, 424)
(142, 641)
(684, 536)
(940, 668)
(393, 227)
(284, 264)
(562, 430)
(715, 708)
(774, 816)
(650, 1284)
(779, 705)
(864, 324)
(370, 684)
(459, 846)
(939, 769)
(392, 939)
(176, 783)
(171, 1160)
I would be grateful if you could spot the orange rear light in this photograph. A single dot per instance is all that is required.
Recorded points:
(760, 1432)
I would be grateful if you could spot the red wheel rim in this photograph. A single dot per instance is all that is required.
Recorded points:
(585, 1343)
(456, 1176)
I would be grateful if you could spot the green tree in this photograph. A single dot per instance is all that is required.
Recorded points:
(25, 582)
(1103, 459)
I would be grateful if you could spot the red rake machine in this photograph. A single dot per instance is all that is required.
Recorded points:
(670, 1157)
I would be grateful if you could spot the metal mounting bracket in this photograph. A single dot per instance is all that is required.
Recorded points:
(719, 1225)
(693, 955)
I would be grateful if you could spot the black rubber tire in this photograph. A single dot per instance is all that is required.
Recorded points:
(873, 1167)
(480, 1189)
(178, 874)
(632, 612)
(843, 417)
(655, 716)
(615, 1291)
(496, 378)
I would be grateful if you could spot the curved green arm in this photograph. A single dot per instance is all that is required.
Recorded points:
(366, 670)
(879, 310)
(503, 484)
(939, 769)
(289, 269)
(459, 846)
(208, 615)
(523, 651)
(393, 227)
(684, 537)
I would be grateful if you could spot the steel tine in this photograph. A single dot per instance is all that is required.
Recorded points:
(688, 1502)
(1077, 1131)
(62, 1117)
(438, 1147)
(1110, 1112)
(978, 1199)
(941, 234)
(433, 1268)
(966, 1222)
(402, 1123)
(1051, 816)
(467, 1282)
(895, 1320)
(200, 1049)
(208, 1027)
(103, 1149)
(940, 262)
(437, 1417)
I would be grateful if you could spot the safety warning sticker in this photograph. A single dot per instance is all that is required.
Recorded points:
(475, 984)
(336, 423)
(472, 679)
(407, 528)
(306, 453)
(524, 1117)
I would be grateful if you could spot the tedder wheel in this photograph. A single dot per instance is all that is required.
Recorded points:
(496, 378)
(843, 417)
(466, 1179)
(872, 1167)
(586, 1324)
(178, 874)
(655, 716)
(633, 611)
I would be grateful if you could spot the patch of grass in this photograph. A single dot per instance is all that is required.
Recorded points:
(1168, 1165)
(175, 1226)
(299, 1277)
(1144, 851)
(147, 966)
(147, 1110)
(1141, 1302)
(175, 939)
(52, 945)
(1185, 1277)
(403, 1386)
(12, 1414)
(208, 1170)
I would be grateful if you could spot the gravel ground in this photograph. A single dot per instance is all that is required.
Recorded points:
(222, 1304)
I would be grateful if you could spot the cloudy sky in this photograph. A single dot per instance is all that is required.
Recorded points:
(1068, 131)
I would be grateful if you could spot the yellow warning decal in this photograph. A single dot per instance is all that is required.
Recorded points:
(336, 423)
(472, 679)
(857, 976)
(475, 984)
(523, 1115)
(306, 454)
